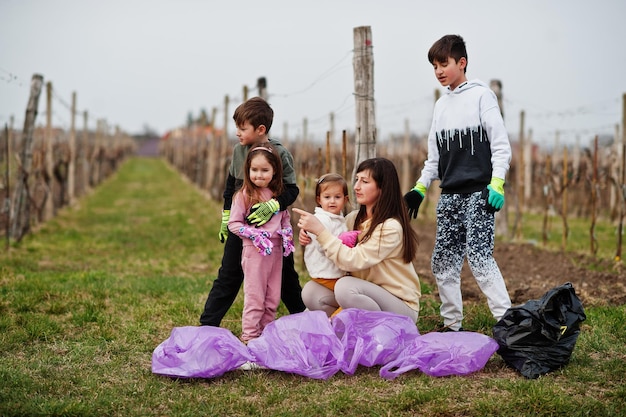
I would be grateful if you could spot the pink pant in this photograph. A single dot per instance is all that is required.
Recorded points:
(261, 289)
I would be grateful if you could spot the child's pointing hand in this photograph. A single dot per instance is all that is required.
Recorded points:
(309, 222)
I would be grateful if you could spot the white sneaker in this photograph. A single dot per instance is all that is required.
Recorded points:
(251, 366)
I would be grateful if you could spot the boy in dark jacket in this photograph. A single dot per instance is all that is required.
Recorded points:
(253, 119)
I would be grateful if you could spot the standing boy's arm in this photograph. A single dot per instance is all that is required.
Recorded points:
(261, 213)
(430, 172)
(415, 196)
(291, 190)
(288, 197)
(500, 149)
(228, 199)
(229, 191)
(237, 216)
(498, 140)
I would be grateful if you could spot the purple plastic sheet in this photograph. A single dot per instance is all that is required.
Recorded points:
(199, 352)
(371, 338)
(308, 344)
(303, 344)
(443, 354)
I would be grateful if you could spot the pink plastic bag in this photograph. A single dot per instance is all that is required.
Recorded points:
(371, 338)
(442, 354)
(199, 352)
(302, 343)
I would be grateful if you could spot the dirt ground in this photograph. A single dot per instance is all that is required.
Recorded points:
(530, 271)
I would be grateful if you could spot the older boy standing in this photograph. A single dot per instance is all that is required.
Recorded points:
(469, 152)
(253, 119)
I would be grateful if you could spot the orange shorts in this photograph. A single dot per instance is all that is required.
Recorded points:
(328, 283)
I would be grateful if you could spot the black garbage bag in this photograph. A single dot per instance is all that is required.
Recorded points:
(539, 336)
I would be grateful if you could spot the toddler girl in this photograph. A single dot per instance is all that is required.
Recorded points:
(331, 195)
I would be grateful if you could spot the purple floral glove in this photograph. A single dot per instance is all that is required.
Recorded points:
(349, 238)
(287, 235)
(260, 239)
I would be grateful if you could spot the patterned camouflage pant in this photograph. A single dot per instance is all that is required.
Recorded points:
(466, 229)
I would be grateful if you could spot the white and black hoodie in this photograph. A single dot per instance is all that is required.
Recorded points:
(468, 142)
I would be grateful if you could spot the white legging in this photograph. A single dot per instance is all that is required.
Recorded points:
(351, 292)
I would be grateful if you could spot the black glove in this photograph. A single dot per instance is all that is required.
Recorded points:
(413, 200)
(485, 196)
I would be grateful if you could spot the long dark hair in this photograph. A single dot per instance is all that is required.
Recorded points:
(390, 204)
(251, 191)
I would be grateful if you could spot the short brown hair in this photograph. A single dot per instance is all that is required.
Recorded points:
(255, 111)
(448, 46)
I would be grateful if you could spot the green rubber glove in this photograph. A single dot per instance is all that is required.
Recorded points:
(496, 193)
(261, 213)
(414, 198)
(224, 227)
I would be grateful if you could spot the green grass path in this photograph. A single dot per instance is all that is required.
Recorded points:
(85, 300)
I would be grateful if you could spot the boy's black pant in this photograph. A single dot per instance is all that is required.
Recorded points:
(229, 280)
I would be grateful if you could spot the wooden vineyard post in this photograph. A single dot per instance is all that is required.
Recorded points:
(224, 151)
(212, 158)
(564, 202)
(620, 228)
(319, 163)
(327, 165)
(285, 137)
(49, 160)
(406, 166)
(363, 63)
(93, 158)
(84, 155)
(199, 141)
(333, 161)
(261, 84)
(344, 156)
(6, 204)
(21, 219)
(614, 175)
(547, 191)
(71, 169)
(519, 208)
(594, 199)
(502, 219)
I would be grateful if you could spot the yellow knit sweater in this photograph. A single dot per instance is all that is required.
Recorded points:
(378, 260)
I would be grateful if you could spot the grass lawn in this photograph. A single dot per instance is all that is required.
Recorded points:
(85, 300)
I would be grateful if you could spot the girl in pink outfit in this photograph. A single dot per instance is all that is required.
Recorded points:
(263, 246)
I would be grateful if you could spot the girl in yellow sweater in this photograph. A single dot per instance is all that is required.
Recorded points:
(382, 274)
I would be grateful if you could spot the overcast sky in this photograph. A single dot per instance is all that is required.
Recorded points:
(142, 63)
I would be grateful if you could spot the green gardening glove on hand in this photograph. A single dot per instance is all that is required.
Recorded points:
(414, 199)
(224, 227)
(261, 213)
(495, 199)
